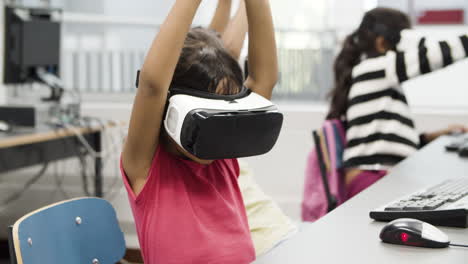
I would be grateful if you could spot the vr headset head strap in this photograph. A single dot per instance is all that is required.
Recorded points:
(207, 95)
(202, 94)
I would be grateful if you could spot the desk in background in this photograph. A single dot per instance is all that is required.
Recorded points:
(34, 146)
(348, 235)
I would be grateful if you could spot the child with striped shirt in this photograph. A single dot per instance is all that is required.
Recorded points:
(369, 72)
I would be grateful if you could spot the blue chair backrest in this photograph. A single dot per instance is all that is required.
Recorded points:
(78, 231)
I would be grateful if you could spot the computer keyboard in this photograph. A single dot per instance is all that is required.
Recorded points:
(445, 204)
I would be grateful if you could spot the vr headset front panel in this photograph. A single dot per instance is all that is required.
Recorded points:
(220, 129)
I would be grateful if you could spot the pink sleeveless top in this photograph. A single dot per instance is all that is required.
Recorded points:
(191, 213)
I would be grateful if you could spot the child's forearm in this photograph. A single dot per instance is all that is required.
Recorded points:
(263, 63)
(221, 17)
(453, 129)
(235, 33)
(161, 60)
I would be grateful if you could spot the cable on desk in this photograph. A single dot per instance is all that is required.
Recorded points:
(14, 197)
(84, 174)
(458, 245)
(117, 183)
(83, 168)
(113, 148)
(83, 141)
(59, 181)
(60, 171)
(86, 122)
(82, 157)
(110, 155)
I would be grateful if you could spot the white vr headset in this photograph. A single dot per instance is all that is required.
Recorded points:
(212, 126)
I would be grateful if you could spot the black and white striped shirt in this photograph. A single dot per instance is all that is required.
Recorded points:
(380, 128)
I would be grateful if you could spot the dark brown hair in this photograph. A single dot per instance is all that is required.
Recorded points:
(204, 64)
(384, 22)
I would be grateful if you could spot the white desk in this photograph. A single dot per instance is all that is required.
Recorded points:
(347, 235)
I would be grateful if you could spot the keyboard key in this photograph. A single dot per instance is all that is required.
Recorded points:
(431, 207)
(414, 208)
(395, 207)
(456, 198)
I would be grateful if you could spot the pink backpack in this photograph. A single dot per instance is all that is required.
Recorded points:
(324, 186)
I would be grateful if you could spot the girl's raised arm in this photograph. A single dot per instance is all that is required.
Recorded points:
(263, 62)
(221, 17)
(235, 33)
(155, 79)
(426, 56)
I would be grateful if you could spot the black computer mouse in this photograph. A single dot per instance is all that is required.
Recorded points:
(463, 151)
(412, 232)
(457, 144)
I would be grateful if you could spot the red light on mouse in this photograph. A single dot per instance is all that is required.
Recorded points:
(404, 237)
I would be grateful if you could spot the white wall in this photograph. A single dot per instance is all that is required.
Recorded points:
(156, 9)
(345, 16)
(398, 4)
(423, 5)
(442, 89)
(82, 6)
(131, 37)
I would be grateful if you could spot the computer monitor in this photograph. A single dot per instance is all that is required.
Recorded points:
(32, 41)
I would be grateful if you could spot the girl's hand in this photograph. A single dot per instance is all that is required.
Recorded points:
(456, 129)
(236, 31)
(263, 62)
(453, 129)
(221, 17)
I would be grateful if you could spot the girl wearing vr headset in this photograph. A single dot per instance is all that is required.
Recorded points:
(375, 60)
(189, 210)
